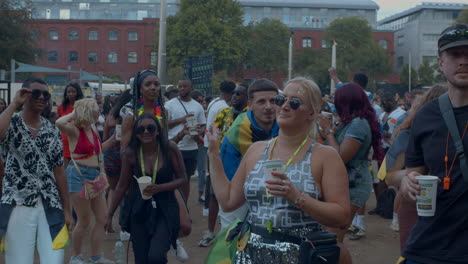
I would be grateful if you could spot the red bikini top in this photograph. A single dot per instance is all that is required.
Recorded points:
(85, 147)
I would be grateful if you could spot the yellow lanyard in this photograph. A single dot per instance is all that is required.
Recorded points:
(295, 152)
(142, 164)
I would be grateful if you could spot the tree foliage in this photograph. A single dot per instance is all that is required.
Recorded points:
(314, 64)
(209, 26)
(356, 49)
(404, 76)
(15, 38)
(426, 73)
(463, 17)
(268, 43)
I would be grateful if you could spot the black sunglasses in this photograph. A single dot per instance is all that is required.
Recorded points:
(151, 128)
(36, 93)
(454, 35)
(294, 103)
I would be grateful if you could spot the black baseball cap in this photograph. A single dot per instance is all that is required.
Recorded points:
(453, 36)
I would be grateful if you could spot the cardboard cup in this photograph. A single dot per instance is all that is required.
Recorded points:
(118, 132)
(426, 200)
(142, 183)
(327, 114)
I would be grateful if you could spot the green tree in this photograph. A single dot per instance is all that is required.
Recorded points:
(268, 43)
(314, 64)
(356, 49)
(426, 73)
(462, 17)
(209, 26)
(404, 76)
(15, 39)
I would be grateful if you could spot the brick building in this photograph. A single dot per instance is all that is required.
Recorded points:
(116, 48)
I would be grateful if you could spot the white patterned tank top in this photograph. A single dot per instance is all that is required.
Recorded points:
(278, 210)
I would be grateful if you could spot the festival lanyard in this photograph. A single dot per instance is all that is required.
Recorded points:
(294, 154)
(142, 164)
(446, 159)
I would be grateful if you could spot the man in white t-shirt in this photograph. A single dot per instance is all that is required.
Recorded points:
(389, 118)
(179, 109)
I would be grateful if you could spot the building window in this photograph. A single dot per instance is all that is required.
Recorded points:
(93, 35)
(112, 57)
(53, 35)
(34, 34)
(72, 35)
(400, 61)
(430, 37)
(64, 14)
(154, 58)
(307, 43)
(113, 35)
(132, 57)
(383, 43)
(92, 57)
(132, 36)
(324, 44)
(84, 6)
(73, 56)
(400, 40)
(52, 56)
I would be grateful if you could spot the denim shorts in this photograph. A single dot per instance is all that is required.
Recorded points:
(75, 181)
(360, 192)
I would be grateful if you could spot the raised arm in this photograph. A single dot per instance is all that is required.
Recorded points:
(5, 117)
(67, 127)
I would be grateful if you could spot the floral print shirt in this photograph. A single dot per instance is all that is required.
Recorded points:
(29, 164)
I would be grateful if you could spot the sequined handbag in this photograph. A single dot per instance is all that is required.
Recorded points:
(319, 247)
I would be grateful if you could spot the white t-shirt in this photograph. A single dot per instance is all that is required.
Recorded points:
(213, 108)
(389, 125)
(176, 110)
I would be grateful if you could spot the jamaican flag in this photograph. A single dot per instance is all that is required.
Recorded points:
(55, 218)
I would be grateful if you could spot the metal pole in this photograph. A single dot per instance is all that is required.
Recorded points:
(333, 64)
(409, 72)
(162, 43)
(100, 83)
(12, 71)
(290, 53)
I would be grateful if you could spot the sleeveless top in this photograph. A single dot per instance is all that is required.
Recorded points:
(86, 147)
(278, 210)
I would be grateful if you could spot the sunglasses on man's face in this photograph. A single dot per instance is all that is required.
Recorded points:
(150, 128)
(294, 103)
(36, 93)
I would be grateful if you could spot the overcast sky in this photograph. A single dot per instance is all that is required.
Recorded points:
(390, 7)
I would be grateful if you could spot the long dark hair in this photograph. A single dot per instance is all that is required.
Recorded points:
(163, 142)
(123, 99)
(136, 87)
(79, 94)
(351, 101)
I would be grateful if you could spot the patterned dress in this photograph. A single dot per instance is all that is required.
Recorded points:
(284, 216)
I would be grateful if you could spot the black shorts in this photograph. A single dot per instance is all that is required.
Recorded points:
(190, 161)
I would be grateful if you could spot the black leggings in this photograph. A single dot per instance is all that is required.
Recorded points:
(150, 249)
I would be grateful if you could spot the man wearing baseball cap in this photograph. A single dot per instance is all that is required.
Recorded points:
(442, 238)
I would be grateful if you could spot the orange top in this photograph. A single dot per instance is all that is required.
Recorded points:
(60, 112)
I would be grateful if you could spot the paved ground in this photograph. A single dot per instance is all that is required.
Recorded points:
(380, 246)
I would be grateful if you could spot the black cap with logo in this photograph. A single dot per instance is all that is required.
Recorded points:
(453, 36)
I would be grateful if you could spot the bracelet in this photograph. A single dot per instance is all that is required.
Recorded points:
(300, 199)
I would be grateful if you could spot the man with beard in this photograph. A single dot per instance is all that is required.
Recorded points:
(34, 206)
(443, 237)
(258, 123)
(179, 109)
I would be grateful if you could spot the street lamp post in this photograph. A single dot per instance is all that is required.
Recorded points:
(162, 43)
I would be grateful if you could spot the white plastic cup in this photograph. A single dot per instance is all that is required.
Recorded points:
(142, 183)
(426, 200)
(118, 132)
(192, 124)
(327, 115)
(272, 165)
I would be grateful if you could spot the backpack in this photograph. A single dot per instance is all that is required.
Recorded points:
(385, 203)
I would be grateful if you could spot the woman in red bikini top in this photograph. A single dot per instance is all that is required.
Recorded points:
(85, 149)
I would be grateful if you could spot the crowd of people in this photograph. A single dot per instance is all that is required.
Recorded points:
(65, 167)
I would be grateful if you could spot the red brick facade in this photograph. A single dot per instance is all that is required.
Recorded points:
(121, 47)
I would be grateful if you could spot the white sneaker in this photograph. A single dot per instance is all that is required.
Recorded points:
(395, 226)
(77, 260)
(180, 253)
(205, 212)
(124, 236)
(101, 260)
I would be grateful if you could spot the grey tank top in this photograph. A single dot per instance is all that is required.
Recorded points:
(278, 210)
